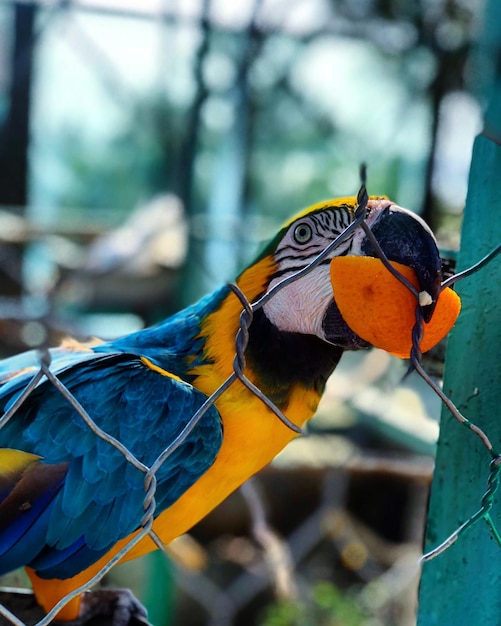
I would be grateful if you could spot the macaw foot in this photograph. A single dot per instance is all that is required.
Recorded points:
(110, 607)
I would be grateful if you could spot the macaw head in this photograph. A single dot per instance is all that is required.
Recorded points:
(350, 300)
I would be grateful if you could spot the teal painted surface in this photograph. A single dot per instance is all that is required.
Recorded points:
(159, 589)
(463, 585)
(487, 68)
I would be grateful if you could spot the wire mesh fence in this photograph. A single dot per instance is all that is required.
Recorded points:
(280, 556)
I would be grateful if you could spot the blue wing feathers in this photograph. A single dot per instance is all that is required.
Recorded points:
(14, 532)
(48, 558)
(99, 500)
(31, 542)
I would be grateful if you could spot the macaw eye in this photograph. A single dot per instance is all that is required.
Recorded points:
(303, 233)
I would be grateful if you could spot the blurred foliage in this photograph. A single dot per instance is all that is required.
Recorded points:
(393, 63)
(328, 606)
(247, 113)
(131, 167)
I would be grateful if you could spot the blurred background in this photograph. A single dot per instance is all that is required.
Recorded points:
(147, 149)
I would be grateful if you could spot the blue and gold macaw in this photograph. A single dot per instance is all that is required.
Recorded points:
(69, 500)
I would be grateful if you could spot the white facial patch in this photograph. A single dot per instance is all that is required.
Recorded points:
(300, 306)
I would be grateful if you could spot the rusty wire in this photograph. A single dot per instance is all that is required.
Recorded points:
(241, 340)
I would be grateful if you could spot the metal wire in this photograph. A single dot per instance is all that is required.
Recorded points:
(474, 268)
(241, 341)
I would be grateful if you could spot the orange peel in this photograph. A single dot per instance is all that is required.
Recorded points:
(381, 310)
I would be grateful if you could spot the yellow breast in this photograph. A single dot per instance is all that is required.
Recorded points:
(252, 434)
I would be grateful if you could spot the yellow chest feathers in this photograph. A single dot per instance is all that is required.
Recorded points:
(253, 435)
(251, 430)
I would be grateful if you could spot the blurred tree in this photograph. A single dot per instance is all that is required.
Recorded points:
(14, 138)
(14, 133)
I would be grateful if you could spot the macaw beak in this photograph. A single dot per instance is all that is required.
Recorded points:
(405, 238)
(369, 307)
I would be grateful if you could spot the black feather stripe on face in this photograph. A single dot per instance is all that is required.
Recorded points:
(292, 256)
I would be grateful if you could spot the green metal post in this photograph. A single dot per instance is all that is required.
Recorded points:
(463, 584)
(159, 589)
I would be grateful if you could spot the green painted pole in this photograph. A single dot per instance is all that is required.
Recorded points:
(462, 586)
(159, 589)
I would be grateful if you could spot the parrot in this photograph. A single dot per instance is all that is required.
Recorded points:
(70, 500)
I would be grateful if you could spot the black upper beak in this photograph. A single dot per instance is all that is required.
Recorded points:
(406, 239)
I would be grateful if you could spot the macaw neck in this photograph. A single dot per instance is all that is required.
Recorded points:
(279, 363)
(198, 344)
(282, 360)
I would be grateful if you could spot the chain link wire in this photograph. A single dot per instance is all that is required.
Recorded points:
(241, 340)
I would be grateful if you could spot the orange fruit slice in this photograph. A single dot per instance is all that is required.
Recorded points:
(381, 310)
